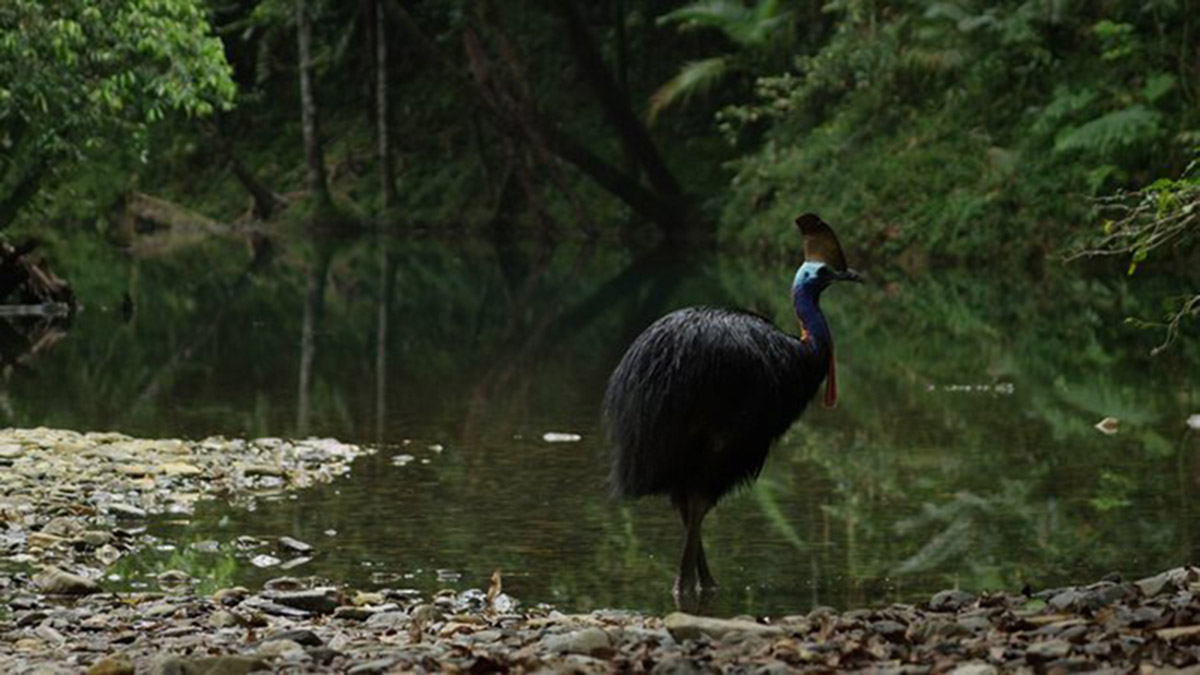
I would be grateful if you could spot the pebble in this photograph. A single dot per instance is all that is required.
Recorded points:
(295, 545)
(683, 626)
(587, 641)
(112, 665)
(54, 581)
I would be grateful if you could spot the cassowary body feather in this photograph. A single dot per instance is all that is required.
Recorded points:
(700, 396)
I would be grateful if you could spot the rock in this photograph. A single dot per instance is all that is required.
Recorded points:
(117, 664)
(372, 667)
(892, 630)
(180, 469)
(230, 596)
(387, 619)
(587, 641)
(276, 648)
(43, 540)
(301, 636)
(264, 560)
(107, 554)
(94, 538)
(10, 452)
(975, 668)
(63, 526)
(950, 600)
(683, 626)
(223, 619)
(174, 578)
(121, 509)
(1066, 599)
(295, 545)
(218, 665)
(974, 624)
(54, 581)
(358, 613)
(426, 613)
(1152, 586)
(318, 600)
(1048, 650)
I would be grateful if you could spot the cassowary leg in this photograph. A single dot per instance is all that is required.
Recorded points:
(693, 568)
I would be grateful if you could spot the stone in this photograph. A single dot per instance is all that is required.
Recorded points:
(950, 600)
(63, 526)
(387, 619)
(231, 596)
(117, 664)
(122, 509)
(54, 581)
(275, 648)
(223, 619)
(43, 540)
(892, 630)
(975, 668)
(217, 665)
(358, 613)
(1048, 650)
(180, 469)
(586, 641)
(318, 600)
(372, 667)
(426, 613)
(295, 545)
(94, 538)
(683, 626)
(301, 636)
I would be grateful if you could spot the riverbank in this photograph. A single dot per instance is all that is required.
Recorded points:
(302, 625)
(72, 504)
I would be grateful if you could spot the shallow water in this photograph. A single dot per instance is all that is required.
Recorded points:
(962, 453)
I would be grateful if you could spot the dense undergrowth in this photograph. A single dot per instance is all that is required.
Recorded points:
(926, 130)
(968, 130)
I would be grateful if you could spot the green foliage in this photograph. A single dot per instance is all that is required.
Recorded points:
(753, 29)
(80, 78)
(930, 125)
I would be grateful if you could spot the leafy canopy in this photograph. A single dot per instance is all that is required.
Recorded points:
(77, 75)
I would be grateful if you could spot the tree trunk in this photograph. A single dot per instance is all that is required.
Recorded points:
(314, 306)
(22, 193)
(317, 184)
(630, 130)
(388, 195)
(386, 285)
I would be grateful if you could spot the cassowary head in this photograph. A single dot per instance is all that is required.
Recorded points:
(824, 261)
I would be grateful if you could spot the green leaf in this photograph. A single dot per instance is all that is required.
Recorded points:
(1122, 128)
(694, 78)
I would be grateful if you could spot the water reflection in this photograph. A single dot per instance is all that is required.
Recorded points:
(963, 451)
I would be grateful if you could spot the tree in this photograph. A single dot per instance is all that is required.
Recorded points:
(83, 76)
(753, 30)
(1162, 215)
(318, 185)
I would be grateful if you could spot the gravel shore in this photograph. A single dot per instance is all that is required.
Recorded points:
(70, 504)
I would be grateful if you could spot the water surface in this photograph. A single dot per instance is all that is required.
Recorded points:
(962, 453)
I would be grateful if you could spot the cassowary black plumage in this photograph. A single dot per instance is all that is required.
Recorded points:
(700, 396)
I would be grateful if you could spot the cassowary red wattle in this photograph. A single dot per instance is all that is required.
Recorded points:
(700, 396)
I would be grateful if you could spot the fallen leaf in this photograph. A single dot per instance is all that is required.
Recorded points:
(1108, 426)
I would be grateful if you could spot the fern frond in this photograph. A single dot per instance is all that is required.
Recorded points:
(1119, 129)
(694, 78)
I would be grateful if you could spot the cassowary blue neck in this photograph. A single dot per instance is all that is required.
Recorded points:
(806, 296)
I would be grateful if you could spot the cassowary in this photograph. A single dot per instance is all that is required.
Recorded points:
(700, 396)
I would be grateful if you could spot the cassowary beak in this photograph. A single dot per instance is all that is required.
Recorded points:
(849, 275)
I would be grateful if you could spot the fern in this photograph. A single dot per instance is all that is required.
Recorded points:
(1130, 126)
(694, 78)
